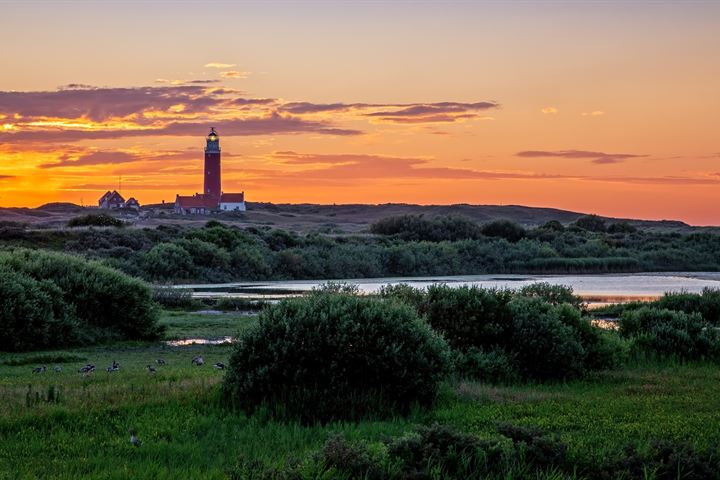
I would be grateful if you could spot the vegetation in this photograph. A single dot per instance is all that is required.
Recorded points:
(401, 246)
(536, 333)
(95, 220)
(50, 300)
(334, 356)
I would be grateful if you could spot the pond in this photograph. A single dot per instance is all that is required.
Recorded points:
(597, 289)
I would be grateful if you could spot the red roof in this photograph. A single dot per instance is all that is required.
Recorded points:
(195, 201)
(232, 197)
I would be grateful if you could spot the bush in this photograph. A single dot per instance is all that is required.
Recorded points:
(33, 314)
(469, 316)
(667, 333)
(404, 293)
(666, 459)
(167, 261)
(494, 366)
(180, 298)
(512, 232)
(330, 356)
(545, 347)
(433, 229)
(553, 294)
(89, 302)
(95, 220)
(706, 304)
(592, 223)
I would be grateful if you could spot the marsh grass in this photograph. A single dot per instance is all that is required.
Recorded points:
(82, 432)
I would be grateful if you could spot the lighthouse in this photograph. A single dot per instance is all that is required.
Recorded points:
(213, 199)
(213, 182)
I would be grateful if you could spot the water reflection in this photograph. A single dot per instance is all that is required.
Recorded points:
(199, 341)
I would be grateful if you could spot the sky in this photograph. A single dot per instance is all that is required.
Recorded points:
(600, 107)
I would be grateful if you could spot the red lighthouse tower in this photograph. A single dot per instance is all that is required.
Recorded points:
(213, 184)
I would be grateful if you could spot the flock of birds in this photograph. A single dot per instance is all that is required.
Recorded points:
(115, 366)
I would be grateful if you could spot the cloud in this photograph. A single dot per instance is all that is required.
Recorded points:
(596, 113)
(439, 112)
(74, 102)
(81, 112)
(550, 110)
(596, 157)
(219, 65)
(84, 158)
(234, 74)
(341, 168)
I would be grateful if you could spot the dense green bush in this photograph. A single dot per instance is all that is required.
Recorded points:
(433, 229)
(429, 452)
(33, 314)
(180, 298)
(512, 232)
(706, 304)
(669, 333)
(73, 300)
(335, 356)
(95, 220)
(553, 294)
(519, 335)
(469, 316)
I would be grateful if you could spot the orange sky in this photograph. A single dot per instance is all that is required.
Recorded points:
(603, 107)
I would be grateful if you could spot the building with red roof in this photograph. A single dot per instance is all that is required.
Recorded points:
(212, 198)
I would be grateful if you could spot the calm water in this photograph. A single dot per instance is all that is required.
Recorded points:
(601, 288)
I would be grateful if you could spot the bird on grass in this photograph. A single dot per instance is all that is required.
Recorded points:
(219, 366)
(40, 369)
(198, 360)
(58, 369)
(151, 369)
(134, 439)
(160, 361)
(111, 369)
(115, 365)
(89, 368)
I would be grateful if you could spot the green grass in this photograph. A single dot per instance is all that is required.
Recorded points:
(181, 325)
(187, 434)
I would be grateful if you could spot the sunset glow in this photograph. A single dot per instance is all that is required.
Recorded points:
(607, 108)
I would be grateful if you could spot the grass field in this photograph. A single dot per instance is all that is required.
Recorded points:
(83, 430)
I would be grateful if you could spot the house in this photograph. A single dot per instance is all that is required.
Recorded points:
(232, 202)
(195, 204)
(111, 200)
(132, 203)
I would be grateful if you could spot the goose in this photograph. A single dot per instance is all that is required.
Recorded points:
(87, 368)
(134, 439)
(151, 369)
(40, 369)
(111, 369)
(115, 365)
(198, 360)
(160, 361)
(58, 369)
(219, 366)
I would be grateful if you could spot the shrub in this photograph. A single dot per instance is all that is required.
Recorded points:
(92, 302)
(469, 316)
(95, 220)
(666, 459)
(33, 314)
(180, 298)
(592, 223)
(510, 231)
(167, 261)
(667, 333)
(330, 356)
(493, 366)
(432, 229)
(404, 293)
(706, 304)
(545, 347)
(553, 294)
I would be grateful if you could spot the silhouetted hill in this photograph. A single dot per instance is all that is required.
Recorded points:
(331, 218)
